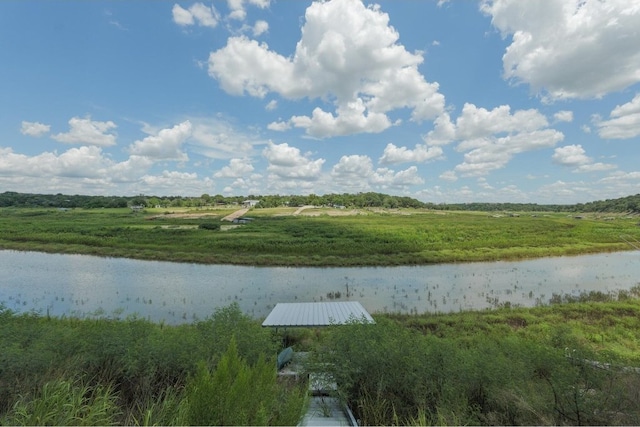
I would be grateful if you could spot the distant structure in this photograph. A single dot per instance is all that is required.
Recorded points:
(324, 409)
(250, 203)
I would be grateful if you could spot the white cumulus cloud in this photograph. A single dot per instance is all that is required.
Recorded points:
(235, 169)
(197, 13)
(34, 128)
(490, 138)
(260, 27)
(85, 165)
(356, 173)
(286, 161)
(571, 155)
(421, 153)
(385, 178)
(575, 156)
(166, 145)
(624, 121)
(353, 172)
(348, 55)
(569, 48)
(238, 7)
(563, 116)
(478, 122)
(279, 126)
(351, 118)
(87, 131)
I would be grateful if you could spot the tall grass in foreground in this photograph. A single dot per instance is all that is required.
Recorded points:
(66, 403)
(539, 366)
(564, 364)
(238, 394)
(390, 375)
(133, 372)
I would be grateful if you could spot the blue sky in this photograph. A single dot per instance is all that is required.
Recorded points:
(444, 101)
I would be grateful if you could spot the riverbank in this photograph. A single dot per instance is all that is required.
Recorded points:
(276, 237)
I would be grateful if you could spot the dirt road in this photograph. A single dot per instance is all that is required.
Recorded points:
(236, 214)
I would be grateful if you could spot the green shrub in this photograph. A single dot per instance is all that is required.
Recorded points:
(236, 393)
(209, 226)
(229, 322)
(389, 374)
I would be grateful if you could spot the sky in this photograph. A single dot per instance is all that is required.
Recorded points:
(444, 101)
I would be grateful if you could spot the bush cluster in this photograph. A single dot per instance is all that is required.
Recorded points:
(134, 372)
(565, 364)
(390, 374)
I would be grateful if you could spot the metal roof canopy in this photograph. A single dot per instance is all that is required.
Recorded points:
(317, 314)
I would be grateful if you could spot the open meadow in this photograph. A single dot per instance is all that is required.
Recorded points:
(313, 236)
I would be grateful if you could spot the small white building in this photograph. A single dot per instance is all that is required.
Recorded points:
(250, 203)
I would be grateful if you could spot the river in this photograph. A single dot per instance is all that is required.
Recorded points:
(87, 286)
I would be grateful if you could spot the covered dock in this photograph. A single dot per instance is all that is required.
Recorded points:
(324, 408)
(316, 314)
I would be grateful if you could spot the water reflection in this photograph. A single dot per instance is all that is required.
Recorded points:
(83, 286)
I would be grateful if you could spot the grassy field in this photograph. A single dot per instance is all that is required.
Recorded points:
(317, 237)
(523, 366)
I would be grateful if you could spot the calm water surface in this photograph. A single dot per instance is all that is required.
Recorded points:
(86, 286)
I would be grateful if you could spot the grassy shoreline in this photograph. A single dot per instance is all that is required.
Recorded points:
(274, 238)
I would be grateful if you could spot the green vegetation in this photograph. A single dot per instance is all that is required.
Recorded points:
(629, 204)
(410, 236)
(242, 394)
(574, 362)
(567, 363)
(104, 372)
(360, 200)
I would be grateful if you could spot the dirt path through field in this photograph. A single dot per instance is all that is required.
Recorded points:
(301, 208)
(236, 214)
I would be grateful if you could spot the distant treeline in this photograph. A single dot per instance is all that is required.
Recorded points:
(360, 200)
(629, 204)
